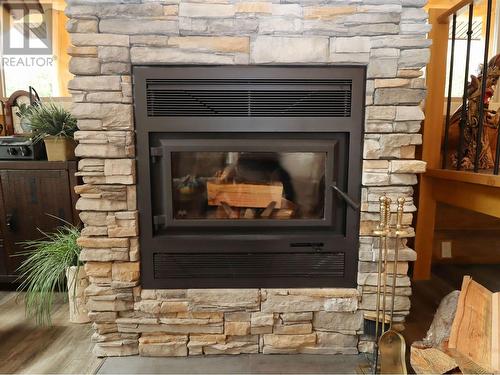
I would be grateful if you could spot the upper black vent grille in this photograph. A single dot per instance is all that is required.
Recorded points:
(249, 98)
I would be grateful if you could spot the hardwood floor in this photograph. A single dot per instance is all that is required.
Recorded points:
(27, 348)
(66, 347)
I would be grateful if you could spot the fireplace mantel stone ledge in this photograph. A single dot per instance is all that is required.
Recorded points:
(109, 37)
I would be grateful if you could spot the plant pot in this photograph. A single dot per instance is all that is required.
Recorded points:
(60, 148)
(76, 294)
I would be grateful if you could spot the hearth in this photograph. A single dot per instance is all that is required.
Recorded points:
(248, 176)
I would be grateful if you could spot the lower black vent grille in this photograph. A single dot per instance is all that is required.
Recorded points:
(245, 265)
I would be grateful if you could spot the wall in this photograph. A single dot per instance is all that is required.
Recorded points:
(107, 38)
(473, 236)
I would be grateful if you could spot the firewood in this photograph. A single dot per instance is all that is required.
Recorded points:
(495, 329)
(226, 174)
(286, 211)
(431, 361)
(249, 214)
(244, 195)
(461, 338)
(285, 203)
(283, 213)
(269, 210)
(465, 365)
(220, 213)
(439, 331)
(471, 332)
(230, 212)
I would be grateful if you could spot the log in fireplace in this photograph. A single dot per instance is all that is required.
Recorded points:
(249, 175)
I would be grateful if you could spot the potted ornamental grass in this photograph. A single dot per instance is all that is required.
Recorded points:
(52, 266)
(56, 127)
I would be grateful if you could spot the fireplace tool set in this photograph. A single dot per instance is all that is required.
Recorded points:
(389, 344)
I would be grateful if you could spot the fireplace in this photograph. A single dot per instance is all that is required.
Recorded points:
(260, 85)
(249, 176)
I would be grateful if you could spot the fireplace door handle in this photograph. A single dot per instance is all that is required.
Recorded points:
(345, 197)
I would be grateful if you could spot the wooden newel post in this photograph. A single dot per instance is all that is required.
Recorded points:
(432, 139)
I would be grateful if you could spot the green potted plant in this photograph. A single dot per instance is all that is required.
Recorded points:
(52, 265)
(56, 126)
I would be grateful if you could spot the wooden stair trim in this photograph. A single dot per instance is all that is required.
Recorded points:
(431, 145)
(465, 176)
(444, 18)
(473, 197)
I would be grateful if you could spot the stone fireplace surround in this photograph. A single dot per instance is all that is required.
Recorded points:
(389, 36)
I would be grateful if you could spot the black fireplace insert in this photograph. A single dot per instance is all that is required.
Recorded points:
(249, 176)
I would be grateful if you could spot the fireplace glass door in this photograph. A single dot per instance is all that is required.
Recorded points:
(245, 182)
(248, 185)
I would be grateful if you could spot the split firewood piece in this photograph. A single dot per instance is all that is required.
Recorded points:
(463, 318)
(286, 211)
(268, 210)
(285, 203)
(220, 213)
(225, 174)
(431, 361)
(232, 214)
(465, 364)
(244, 195)
(471, 331)
(495, 328)
(283, 213)
(439, 331)
(249, 214)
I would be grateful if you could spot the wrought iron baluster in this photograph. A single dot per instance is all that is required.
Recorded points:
(480, 125)
(497, 154)
(450, 85)
(463, 115)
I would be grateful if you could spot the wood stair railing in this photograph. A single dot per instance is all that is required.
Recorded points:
(479, 192)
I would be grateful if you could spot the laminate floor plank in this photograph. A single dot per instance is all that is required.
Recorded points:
(27, 348)
(238, 364)
(66, 347)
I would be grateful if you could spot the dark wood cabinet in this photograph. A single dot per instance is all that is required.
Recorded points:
(33, 194)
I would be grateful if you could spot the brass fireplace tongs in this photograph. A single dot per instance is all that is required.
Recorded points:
(381, 231)
(392, 344)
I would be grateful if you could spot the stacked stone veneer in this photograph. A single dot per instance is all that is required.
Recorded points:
(108, 38)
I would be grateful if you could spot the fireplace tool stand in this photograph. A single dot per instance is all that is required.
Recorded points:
(390, 345)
